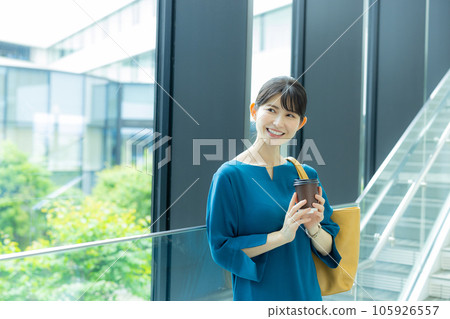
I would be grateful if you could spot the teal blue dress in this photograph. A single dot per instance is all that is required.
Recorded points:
(244, 205)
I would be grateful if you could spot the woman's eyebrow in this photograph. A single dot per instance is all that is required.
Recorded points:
(271, 105)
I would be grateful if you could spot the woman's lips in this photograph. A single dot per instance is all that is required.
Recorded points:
(274, 135)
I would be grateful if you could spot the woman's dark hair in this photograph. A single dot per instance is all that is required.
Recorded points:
(293, 94)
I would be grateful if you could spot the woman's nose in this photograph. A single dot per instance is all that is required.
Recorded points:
(278, 121)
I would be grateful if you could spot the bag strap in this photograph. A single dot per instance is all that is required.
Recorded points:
(299, 167)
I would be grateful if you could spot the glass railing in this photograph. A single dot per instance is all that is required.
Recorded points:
(112, 271)
(402, 203)
(410, 153)
(118, 269)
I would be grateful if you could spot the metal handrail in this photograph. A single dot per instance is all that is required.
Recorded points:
(344, 205)
(432, 247)
(60, 249)
(404, 203)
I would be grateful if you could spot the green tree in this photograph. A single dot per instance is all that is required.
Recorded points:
(118, 207)
(22, 185)
(126, 187)
(106, 272)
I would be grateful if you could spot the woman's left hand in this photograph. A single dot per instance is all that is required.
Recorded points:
(317, 216)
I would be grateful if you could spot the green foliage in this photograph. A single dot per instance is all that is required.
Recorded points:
(106, 272)
(22, 185)
(7, 246)
(119, 207)
(69, 223)
(126, 187)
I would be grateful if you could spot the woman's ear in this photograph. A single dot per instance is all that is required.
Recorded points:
(253, 111)
(305, 119)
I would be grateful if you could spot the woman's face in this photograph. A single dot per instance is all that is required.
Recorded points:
(274, 124)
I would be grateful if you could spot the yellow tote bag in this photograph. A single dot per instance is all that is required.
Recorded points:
(335, 280)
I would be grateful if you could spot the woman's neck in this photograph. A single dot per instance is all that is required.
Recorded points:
(264, 154)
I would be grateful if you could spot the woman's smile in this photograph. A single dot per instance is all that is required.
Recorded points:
(274, 133)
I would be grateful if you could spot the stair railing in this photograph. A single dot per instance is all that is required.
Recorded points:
(422, 269)
(366, 218)
(383, 239)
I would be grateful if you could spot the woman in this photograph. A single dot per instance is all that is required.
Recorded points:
(255, 227)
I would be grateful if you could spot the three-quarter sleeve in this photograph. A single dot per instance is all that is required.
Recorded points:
(333, 258)
(226, 245)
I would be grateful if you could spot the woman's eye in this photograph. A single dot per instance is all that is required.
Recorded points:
(291, 115)
(270, 109)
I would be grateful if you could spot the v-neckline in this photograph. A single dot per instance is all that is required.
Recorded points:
(265, 168)
(271, 177)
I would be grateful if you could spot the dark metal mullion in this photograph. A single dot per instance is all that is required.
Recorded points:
(372, 89)
(298, 59)
(162, 124)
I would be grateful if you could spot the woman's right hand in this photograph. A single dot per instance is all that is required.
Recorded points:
(294, 218)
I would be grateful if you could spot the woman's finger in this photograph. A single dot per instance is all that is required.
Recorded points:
(317, 215)
(296, 207)
(293, 201)
(301, 213)
(299, 220)
(319, 207)
(305, 220)
(320, 199)
(299, 205)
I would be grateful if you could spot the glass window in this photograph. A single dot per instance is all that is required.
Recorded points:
(97, 34)
(146, 10)
(257, 34)
(114, 24)
(66, 93)
(65, 125)
(276, 29)
(96, 101)
(146, 67)
(136, 9)
(27, 94)
(77, 41)
(137, 102)
(96, 104)
(127, 17)
(64, 176)
(271, 56)
(2, 98)
(271, 43)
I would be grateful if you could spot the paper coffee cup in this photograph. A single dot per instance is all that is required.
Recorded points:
(307, 189)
